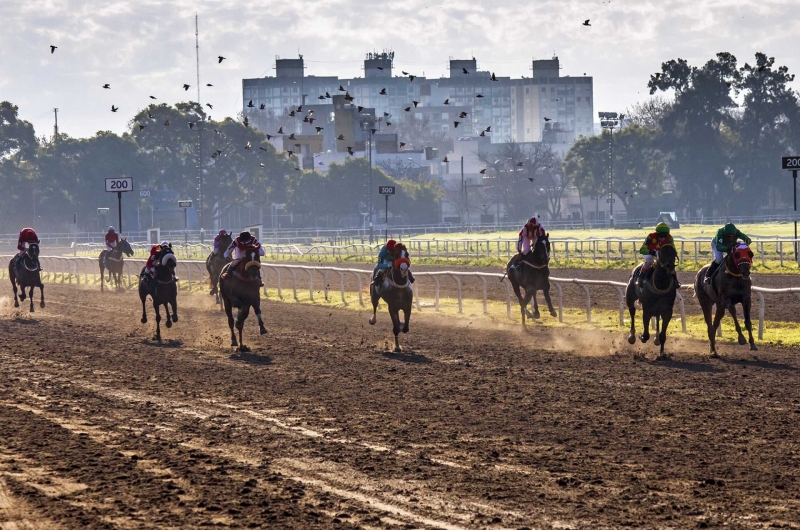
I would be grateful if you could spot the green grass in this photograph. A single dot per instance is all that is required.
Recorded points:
(785, 229)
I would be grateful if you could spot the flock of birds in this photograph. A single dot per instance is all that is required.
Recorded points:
(309, 116)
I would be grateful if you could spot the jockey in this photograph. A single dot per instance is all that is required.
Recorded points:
(222, 233)
(652, 244)
(239, 246)
(726, 237)
(150, 267)
(112, 238)
(26, 237)
(529, 235)
(385, 262)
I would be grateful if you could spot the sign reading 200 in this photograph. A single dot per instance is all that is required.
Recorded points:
(119, 184)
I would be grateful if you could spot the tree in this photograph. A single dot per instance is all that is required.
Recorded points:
(649, 113)
(18, 147)
(640, 169)
(692, 129)
(553, 182)
(418, 133)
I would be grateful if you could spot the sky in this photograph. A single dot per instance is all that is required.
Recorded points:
(147, 47)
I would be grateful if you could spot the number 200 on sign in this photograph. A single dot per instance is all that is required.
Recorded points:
(790, 162)
(121, 184)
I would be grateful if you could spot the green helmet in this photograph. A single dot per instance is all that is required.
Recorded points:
(662, 228)
(730, 229)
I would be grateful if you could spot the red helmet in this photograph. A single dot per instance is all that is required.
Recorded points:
(533, 221)
(390, 245)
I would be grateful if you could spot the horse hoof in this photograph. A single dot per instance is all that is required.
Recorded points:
(714, 355)
(244, 348)
(742, 341)
(398, 350)
(643, 338)
(263, 330)
(169, 323)
(41, 305)
(16, 304)
(174, 318)
(753, 347)
(144, 320)
(537, 315)
(553, 314)
(405, 329)
(631, 340)
(657, 341)
(372, 321)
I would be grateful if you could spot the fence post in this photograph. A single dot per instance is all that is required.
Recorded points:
(682, 310)
(760, 316)
(460, 302)
(508, 297)
(621, 306)
(436, 302)
(560, 302)
(485, 306)
(294, 283)
(360, 294)
(588, 303)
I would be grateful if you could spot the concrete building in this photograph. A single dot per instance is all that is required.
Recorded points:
(545, 107)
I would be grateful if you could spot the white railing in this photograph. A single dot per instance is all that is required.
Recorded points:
(195, 272)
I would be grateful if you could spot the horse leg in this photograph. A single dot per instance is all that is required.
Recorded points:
(646, 316)
(536, 313)
(713, 331)
(257, 311)
(229, 312)
(657, 340)
(30, 296)
(407, 315)
(102, 277)
(630, 301)
(732, 309)
(546, 292)
(158, 321)
(662, 335)
(41, 293)
(375, 299)
(748, 324)
(395, 314)
(14, 286)
(174, 304)
(241, 316)
(523, 304)
(166, 310)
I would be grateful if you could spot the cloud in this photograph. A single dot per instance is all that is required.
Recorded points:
(146, 47)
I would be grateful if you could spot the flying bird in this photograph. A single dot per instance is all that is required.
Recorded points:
(348, 97)
(53, 49)
(402, 145)
(248, 145)
(404, 72)
(151, 116)
(262, 148)
(530, 178)
(465, 71)
(360, 108)
(152, 97)
(185, 86)
(141, 127)
(320, 97)
(455, 124)
(462, 115)
(280, 130)
(114, 109)
(166, 123)
(382, 92)
(327, 95)
(300, 109)
(519, 164)
(411, 78)
(270, 137)
(478, 95)
(482, 171)
(388, 124)
(586, 22)
(341, 89)
(350, 151)
(262, 106)
(209, 84)
(415, 103)
(547, 119)
(340, 137)
(374, 130)
(246, 121)
(291, 136)
(380, 68)
(262, 165)
(445, 159)
(489, 128)
(447, 101)
(483, 133)
(289, 153)
(191, 125)
(292, 113)
(386, 114)
(407, 109)
(106, 86)
(220, 58)
(209, 106)
(250, 104)
(319, 129)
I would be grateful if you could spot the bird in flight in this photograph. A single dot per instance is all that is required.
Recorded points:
(220, 58)
(455, 124)
(152, 97)
(248, 145)
(380, 68)
(141, 127)
(270, 137)
(530, 178)
(262, 148)
(340, 137)
(262, 106)
(209, 84)
(360, 108)
(382, 92)
(374, 131)
(350, 151)
(520, 165)
(280, 130)
(402, 145)
(404, 72)
(483, 133)
(411, 78)
(415, 103)
(462, 115)
(209, 106)
(151, 116)
(289, 153)
(445, 159)
(341, 89)
(493, 78)
(291, 136)
(262, 165)
(465, 71)
(191, 125)
(53, 49)
(246, 121)
(547, 119)
(114, 109)
(407, 109)
(185, 86)
(482, 171)
(106, 86)
(586, 22)
(166, 123)
(447, 101)
(478, 95)
(250, 104)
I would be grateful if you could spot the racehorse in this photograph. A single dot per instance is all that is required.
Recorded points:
(163, 290)
(729, 286)
(25, 272)
(113, 262)
(240, 289)
(396, 292)
(533, 276)
(215, 264)
(656, 294)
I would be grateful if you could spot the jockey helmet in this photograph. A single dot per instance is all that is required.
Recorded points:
(533, 221)
(165, 243)
(244, 237)
(223, 232)
(390, 245)
(111, 229)
(729, 229)
(662, 228)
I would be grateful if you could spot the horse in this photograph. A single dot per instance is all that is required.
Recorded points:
(216, 262)
(656, 294)
(240, 289)
(396, 292)
(533, 276)
(24, 270)
(729, 286)
(163, 290)
(113, 261)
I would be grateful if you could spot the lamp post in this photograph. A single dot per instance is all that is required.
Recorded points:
(609, 120)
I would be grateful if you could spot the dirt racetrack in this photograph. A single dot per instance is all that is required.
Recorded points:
(474, 426)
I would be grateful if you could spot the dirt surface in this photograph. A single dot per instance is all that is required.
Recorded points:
(473, 426)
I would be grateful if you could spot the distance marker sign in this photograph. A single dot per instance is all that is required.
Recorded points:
(184, 204)
(386, 190)
(119, 185)
(790, 162)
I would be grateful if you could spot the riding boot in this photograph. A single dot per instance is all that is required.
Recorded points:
(410, 277)
(378, 279)
(677, 281)
(642, 276)
(710, 272)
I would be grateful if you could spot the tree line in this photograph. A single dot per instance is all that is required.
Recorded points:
(52, 178)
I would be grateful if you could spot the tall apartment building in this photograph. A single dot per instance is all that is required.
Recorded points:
(544, 107)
